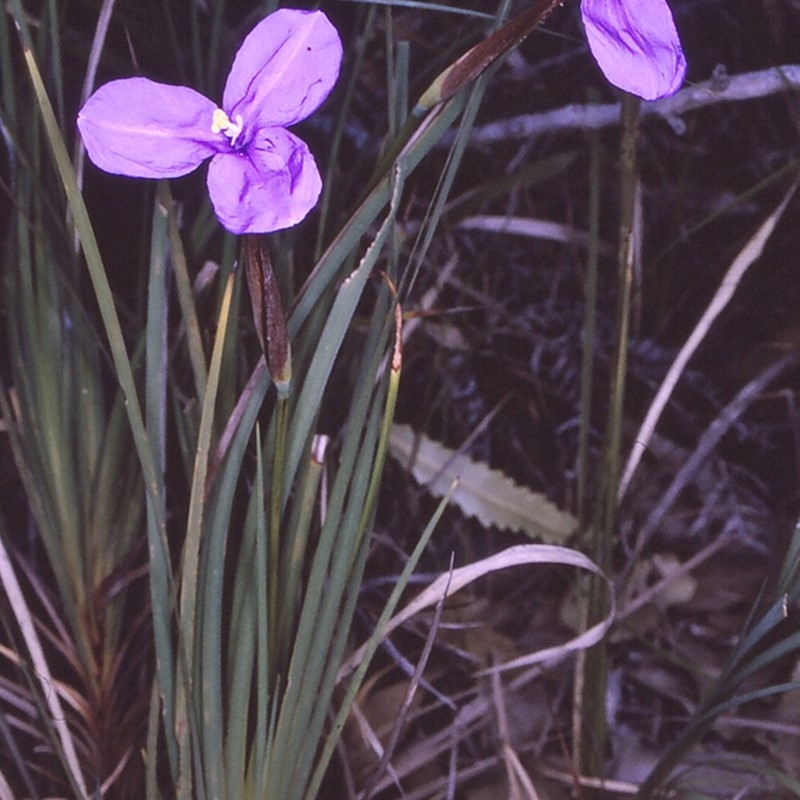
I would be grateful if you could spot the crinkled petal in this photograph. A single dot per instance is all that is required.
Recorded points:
(284, 69)
(636, 45)
(270, 185)
(143, 129)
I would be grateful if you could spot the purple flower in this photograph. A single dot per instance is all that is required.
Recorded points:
(261, 177)
(636, 45)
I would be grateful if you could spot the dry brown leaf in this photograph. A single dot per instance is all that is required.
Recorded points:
(486, 494)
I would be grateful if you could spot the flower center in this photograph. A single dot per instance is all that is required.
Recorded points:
(222, 123)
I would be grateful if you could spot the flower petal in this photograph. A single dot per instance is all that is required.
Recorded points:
(143, 129)
(270, 185)
(284, 69)
(636, 45)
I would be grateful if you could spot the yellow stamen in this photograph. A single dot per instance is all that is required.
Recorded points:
(222, 123)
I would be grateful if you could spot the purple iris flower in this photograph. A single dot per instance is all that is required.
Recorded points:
(636, 45)
(261, 177)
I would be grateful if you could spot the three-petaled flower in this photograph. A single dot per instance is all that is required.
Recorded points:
(636, 45)
(261, 177)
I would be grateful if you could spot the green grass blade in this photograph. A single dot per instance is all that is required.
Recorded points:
(156, 357)
(185, 296)
(94, 260)
(97, 274)
(189, 626)
(372, 645)
(329, 343)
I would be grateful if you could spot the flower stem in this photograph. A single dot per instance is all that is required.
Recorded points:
(594, 722)
(275, 516)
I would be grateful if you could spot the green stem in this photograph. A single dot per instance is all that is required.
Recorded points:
(595, 666)
(629, 174)
(590, 318)
(275, 516)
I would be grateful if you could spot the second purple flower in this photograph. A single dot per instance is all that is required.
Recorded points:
(261, 177)
(636, 44)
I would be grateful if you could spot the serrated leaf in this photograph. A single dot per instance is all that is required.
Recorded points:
(484, 493)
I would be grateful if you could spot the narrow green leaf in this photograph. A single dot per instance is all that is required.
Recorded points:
(185, 296)
(189, 626)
